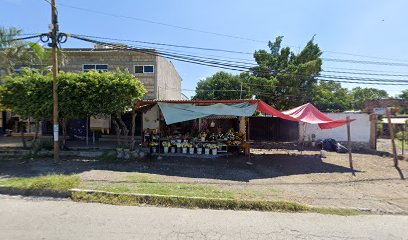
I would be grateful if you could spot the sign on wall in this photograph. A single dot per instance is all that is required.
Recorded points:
(100, 123)
(379, 111)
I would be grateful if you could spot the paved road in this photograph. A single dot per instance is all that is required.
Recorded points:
(40, 218)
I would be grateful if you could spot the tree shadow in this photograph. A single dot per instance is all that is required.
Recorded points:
(233, 168)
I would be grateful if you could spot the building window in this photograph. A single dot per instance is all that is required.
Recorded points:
(97, 67)
(144, 69)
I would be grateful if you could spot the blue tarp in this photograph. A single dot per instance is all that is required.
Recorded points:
(180, 112)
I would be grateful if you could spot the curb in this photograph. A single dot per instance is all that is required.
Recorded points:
(34, 192)
(134, 199)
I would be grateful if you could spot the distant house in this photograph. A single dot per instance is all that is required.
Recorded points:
(370, 104)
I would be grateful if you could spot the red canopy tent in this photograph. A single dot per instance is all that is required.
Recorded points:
(306, 113)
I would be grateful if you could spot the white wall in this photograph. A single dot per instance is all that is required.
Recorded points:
(360, 128)
(168, 80)
(151, 118)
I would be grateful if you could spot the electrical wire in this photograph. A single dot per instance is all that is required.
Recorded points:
(183, 58)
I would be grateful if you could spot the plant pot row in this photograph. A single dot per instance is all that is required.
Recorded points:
(185, 150)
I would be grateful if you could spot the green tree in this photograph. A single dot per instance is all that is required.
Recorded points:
(283, 78)
(29, 94)
(360, 95)
(220, 86)
(331, 97)
(404, 94)
(13, 53)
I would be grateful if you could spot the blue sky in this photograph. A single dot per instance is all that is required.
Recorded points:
(372, 28)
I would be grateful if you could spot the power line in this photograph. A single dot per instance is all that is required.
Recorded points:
(204, 31)
(366, 56)
(366, 62)
(159, 23)
(223, 65)
(167, 44)
(246, 53)
(22, 38)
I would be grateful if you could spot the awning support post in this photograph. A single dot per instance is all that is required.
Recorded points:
(349, 146)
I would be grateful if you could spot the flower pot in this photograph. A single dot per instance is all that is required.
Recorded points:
(166, 149)
(207, 151)
(202, 139)
(191, 150)
(173, 150)
(199, 150)
(184, 150)
(214, 151)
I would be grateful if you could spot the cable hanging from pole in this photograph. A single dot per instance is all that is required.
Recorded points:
(242, 68)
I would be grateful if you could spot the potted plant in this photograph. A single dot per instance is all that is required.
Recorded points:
(199, 147)
(207, 149)
(153, 147)
(202, 136)
(190, 148)
(166, 146)
(184, 148)
(214, 149)
(179, 146)
(173, 144)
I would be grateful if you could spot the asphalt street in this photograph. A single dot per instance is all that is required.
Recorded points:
(44, 218)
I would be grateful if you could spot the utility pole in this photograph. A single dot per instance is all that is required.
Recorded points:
(54, 37)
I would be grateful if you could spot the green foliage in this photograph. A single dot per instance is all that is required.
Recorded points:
(98, 93)
(220, 86)
(404, 94)
(28, 94)
(17, 53)
(80, 94)
(50, 182)
(283, 78)
(360, 95)
(331, 97)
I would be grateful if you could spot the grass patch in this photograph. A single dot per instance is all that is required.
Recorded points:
(188, 202)
(49, 182)
(336, 211)
(206, 203)
(142, 177)
(173, 189)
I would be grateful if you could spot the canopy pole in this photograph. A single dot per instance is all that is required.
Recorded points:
(303, 137)
(394, 148)
(349, 146)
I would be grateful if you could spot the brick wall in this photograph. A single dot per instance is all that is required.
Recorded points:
(122, 60)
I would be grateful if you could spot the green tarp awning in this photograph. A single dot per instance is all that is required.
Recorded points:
(180, 112)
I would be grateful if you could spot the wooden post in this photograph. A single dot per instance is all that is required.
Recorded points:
(249, 129)
(349, 146)
(373, 131)
(394, 148)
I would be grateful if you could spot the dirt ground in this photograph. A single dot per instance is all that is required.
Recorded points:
(276, 173)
